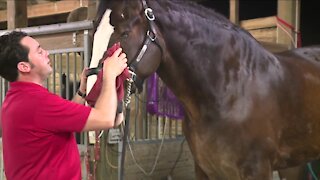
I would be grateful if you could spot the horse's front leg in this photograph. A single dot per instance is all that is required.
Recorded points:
(200, 174)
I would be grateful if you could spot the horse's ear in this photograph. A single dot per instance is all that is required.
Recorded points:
(78, 14)
(107, 4)
(102, 7)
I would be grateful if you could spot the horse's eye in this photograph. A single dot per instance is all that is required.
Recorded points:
(125, 34)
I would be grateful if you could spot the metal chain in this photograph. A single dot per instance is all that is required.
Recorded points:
(127, 99)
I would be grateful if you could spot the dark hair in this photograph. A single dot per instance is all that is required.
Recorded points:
(11, 53)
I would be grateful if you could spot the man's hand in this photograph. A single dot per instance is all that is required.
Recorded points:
(113, 66)
(82, 88)
(83, 81)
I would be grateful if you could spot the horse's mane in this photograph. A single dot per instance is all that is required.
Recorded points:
(204, 13)
(198, 20)
(199, 13)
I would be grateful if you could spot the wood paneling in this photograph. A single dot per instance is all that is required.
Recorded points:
(259, 23)
(234, 11)
(265, 30)
(17, 11)
(59, 41)
(48, 9)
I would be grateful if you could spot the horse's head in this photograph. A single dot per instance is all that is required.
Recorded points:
(135, 29)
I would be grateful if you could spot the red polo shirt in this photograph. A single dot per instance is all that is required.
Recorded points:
(38, 140)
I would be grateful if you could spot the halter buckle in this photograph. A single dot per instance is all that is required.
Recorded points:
(152, 36)
(149, 14)
(133, 75)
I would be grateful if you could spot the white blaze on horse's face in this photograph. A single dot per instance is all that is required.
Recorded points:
(100, 44)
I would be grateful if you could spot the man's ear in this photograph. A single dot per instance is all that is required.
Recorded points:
(24, 66)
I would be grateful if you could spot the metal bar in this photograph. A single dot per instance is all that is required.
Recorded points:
(145, 116)
(158, 128)
(85, 142)
(2, 90)
(68, 77)
(136, 122)
(176, 127)
(297, 22)
(69, 50)
(170, 127)
(75, 67)
(54, 75)
(74, 72)
(149, 124)
(86, 48)
(82, 61)
(55, 28)
(60, 74)
(120, 145)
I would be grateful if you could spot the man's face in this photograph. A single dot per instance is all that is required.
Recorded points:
(38, 57)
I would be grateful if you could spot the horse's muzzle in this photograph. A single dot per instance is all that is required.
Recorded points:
(138, 82)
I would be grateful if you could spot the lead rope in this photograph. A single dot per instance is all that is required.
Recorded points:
(127, 101)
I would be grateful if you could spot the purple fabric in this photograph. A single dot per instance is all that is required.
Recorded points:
(161, 101)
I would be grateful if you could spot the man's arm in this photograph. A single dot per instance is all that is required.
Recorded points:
(103, 115)
(81, 92)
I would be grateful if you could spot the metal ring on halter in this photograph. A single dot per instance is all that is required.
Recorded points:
(149, 14)
(133, 75)
(152, 38)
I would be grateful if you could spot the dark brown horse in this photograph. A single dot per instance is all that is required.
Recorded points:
(248, 111)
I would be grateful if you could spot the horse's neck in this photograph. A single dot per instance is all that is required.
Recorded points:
(201, 51)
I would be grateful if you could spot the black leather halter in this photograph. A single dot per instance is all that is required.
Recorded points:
(151, 35)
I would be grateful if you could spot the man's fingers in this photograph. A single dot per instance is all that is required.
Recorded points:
(117, 52)
(122, 55)
(124, 60)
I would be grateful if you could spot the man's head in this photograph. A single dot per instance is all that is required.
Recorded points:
(11, 53)
(22, 58)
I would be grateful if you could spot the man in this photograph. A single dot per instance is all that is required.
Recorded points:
(38, 126)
